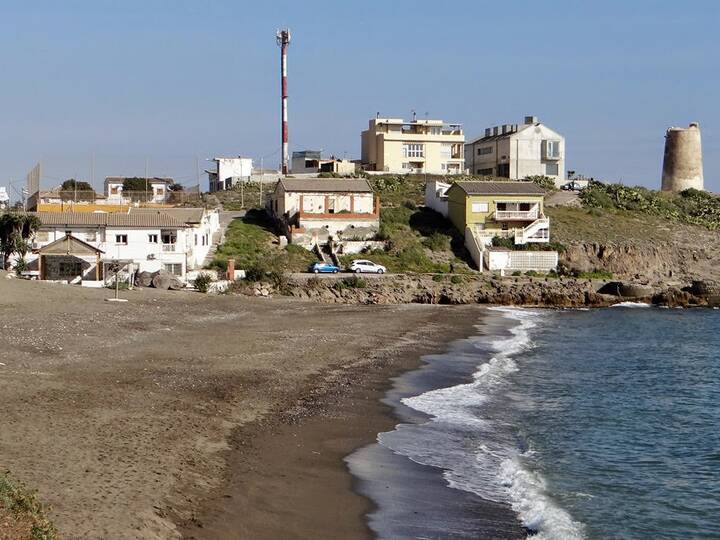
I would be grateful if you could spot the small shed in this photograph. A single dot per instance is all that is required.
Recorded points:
(71, 259)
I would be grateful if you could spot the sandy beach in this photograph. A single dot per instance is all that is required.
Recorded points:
(178, 414)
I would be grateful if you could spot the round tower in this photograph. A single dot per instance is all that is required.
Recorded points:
(682, 164)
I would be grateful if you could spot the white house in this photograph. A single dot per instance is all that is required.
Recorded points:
(516, 152)
(157, 190)
(175, 240)
(228, 172)
(315, 210)
(311, 162)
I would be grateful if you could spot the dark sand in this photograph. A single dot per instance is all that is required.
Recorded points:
(291, 481)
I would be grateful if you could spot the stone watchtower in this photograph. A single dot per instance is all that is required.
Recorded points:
(682, 164)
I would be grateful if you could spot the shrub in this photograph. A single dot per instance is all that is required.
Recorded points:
(255, 273)
(21, 266)
(516, 273)
(438, 277)
(202, 282)
(456, 279)
(595, 274)
(352, 282)
(532, 273)
(545, 182)
(437, 242)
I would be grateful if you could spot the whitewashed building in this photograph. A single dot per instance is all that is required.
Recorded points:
(315, 210)
(229, 171)
(175, 240)
(516, 152)
(156, 192)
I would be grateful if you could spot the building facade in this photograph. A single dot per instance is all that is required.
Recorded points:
(516, 152)
(312, 162)
(229, 171)
(157, 191)
(314, 211)
(395, 146)
(150, 240)
(506, 209)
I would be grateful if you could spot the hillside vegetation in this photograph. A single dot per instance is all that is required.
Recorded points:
(690, 206)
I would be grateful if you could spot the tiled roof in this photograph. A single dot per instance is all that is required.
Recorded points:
(101, 219)
(186, 215)
(500, 188)
(330, 185)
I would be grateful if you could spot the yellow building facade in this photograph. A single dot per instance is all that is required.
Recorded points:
(395, 146)
(506, 209)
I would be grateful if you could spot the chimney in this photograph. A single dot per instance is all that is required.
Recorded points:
(531, 120)
(488, 132)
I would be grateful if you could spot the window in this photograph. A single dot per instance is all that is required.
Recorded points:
(484, 150)
(478, 207)
(446, 151)
(552, 149)
(121, 239)
(196, 240)
(436, 130)
(153, 238)
(169, 238)
(174, 268)
(485, 172)
(551, 169)
(413, 150)
(405, 166)
(443, 166)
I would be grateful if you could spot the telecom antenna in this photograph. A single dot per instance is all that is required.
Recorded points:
(283, 40)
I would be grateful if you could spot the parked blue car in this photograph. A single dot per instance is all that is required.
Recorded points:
(324, 268)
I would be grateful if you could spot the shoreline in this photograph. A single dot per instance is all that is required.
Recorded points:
(291, 479)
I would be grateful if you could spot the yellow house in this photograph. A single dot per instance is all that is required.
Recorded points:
(506, 209)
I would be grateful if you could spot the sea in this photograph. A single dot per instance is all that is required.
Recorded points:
(555, 424)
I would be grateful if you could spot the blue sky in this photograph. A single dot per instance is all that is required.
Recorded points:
(172, 81)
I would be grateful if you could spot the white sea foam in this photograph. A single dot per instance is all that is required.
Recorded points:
(536, 510)
(491, 466)
(631, 305)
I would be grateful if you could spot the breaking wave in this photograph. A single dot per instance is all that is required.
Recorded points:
(477, 445)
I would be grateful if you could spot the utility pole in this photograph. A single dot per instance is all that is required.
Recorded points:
(283, 40)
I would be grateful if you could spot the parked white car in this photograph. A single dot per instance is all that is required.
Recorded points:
(365, 266)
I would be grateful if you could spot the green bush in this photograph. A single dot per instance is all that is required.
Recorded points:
(203, 281)
(545, 182)
(438, 277)
(25, 504)
(690, 206)
(456, 279)
(437, 242)
(352, 282)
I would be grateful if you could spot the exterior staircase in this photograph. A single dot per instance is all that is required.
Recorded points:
(538, 231)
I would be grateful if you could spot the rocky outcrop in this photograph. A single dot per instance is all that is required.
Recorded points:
(651, 261)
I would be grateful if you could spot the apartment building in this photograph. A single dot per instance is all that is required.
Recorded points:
(395, 146)
(516, 152)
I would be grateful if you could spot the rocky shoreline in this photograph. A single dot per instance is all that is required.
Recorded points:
(486, 289)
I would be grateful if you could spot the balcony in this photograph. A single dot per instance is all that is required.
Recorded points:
(169, 248)
(516, 215)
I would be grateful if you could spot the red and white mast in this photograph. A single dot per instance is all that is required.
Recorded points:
(283, 40)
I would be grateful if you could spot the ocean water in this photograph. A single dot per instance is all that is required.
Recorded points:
(593, 424)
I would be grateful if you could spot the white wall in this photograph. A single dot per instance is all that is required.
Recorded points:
(435, 197)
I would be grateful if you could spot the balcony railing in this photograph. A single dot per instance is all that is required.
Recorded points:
(516, 215)
(169, 248)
